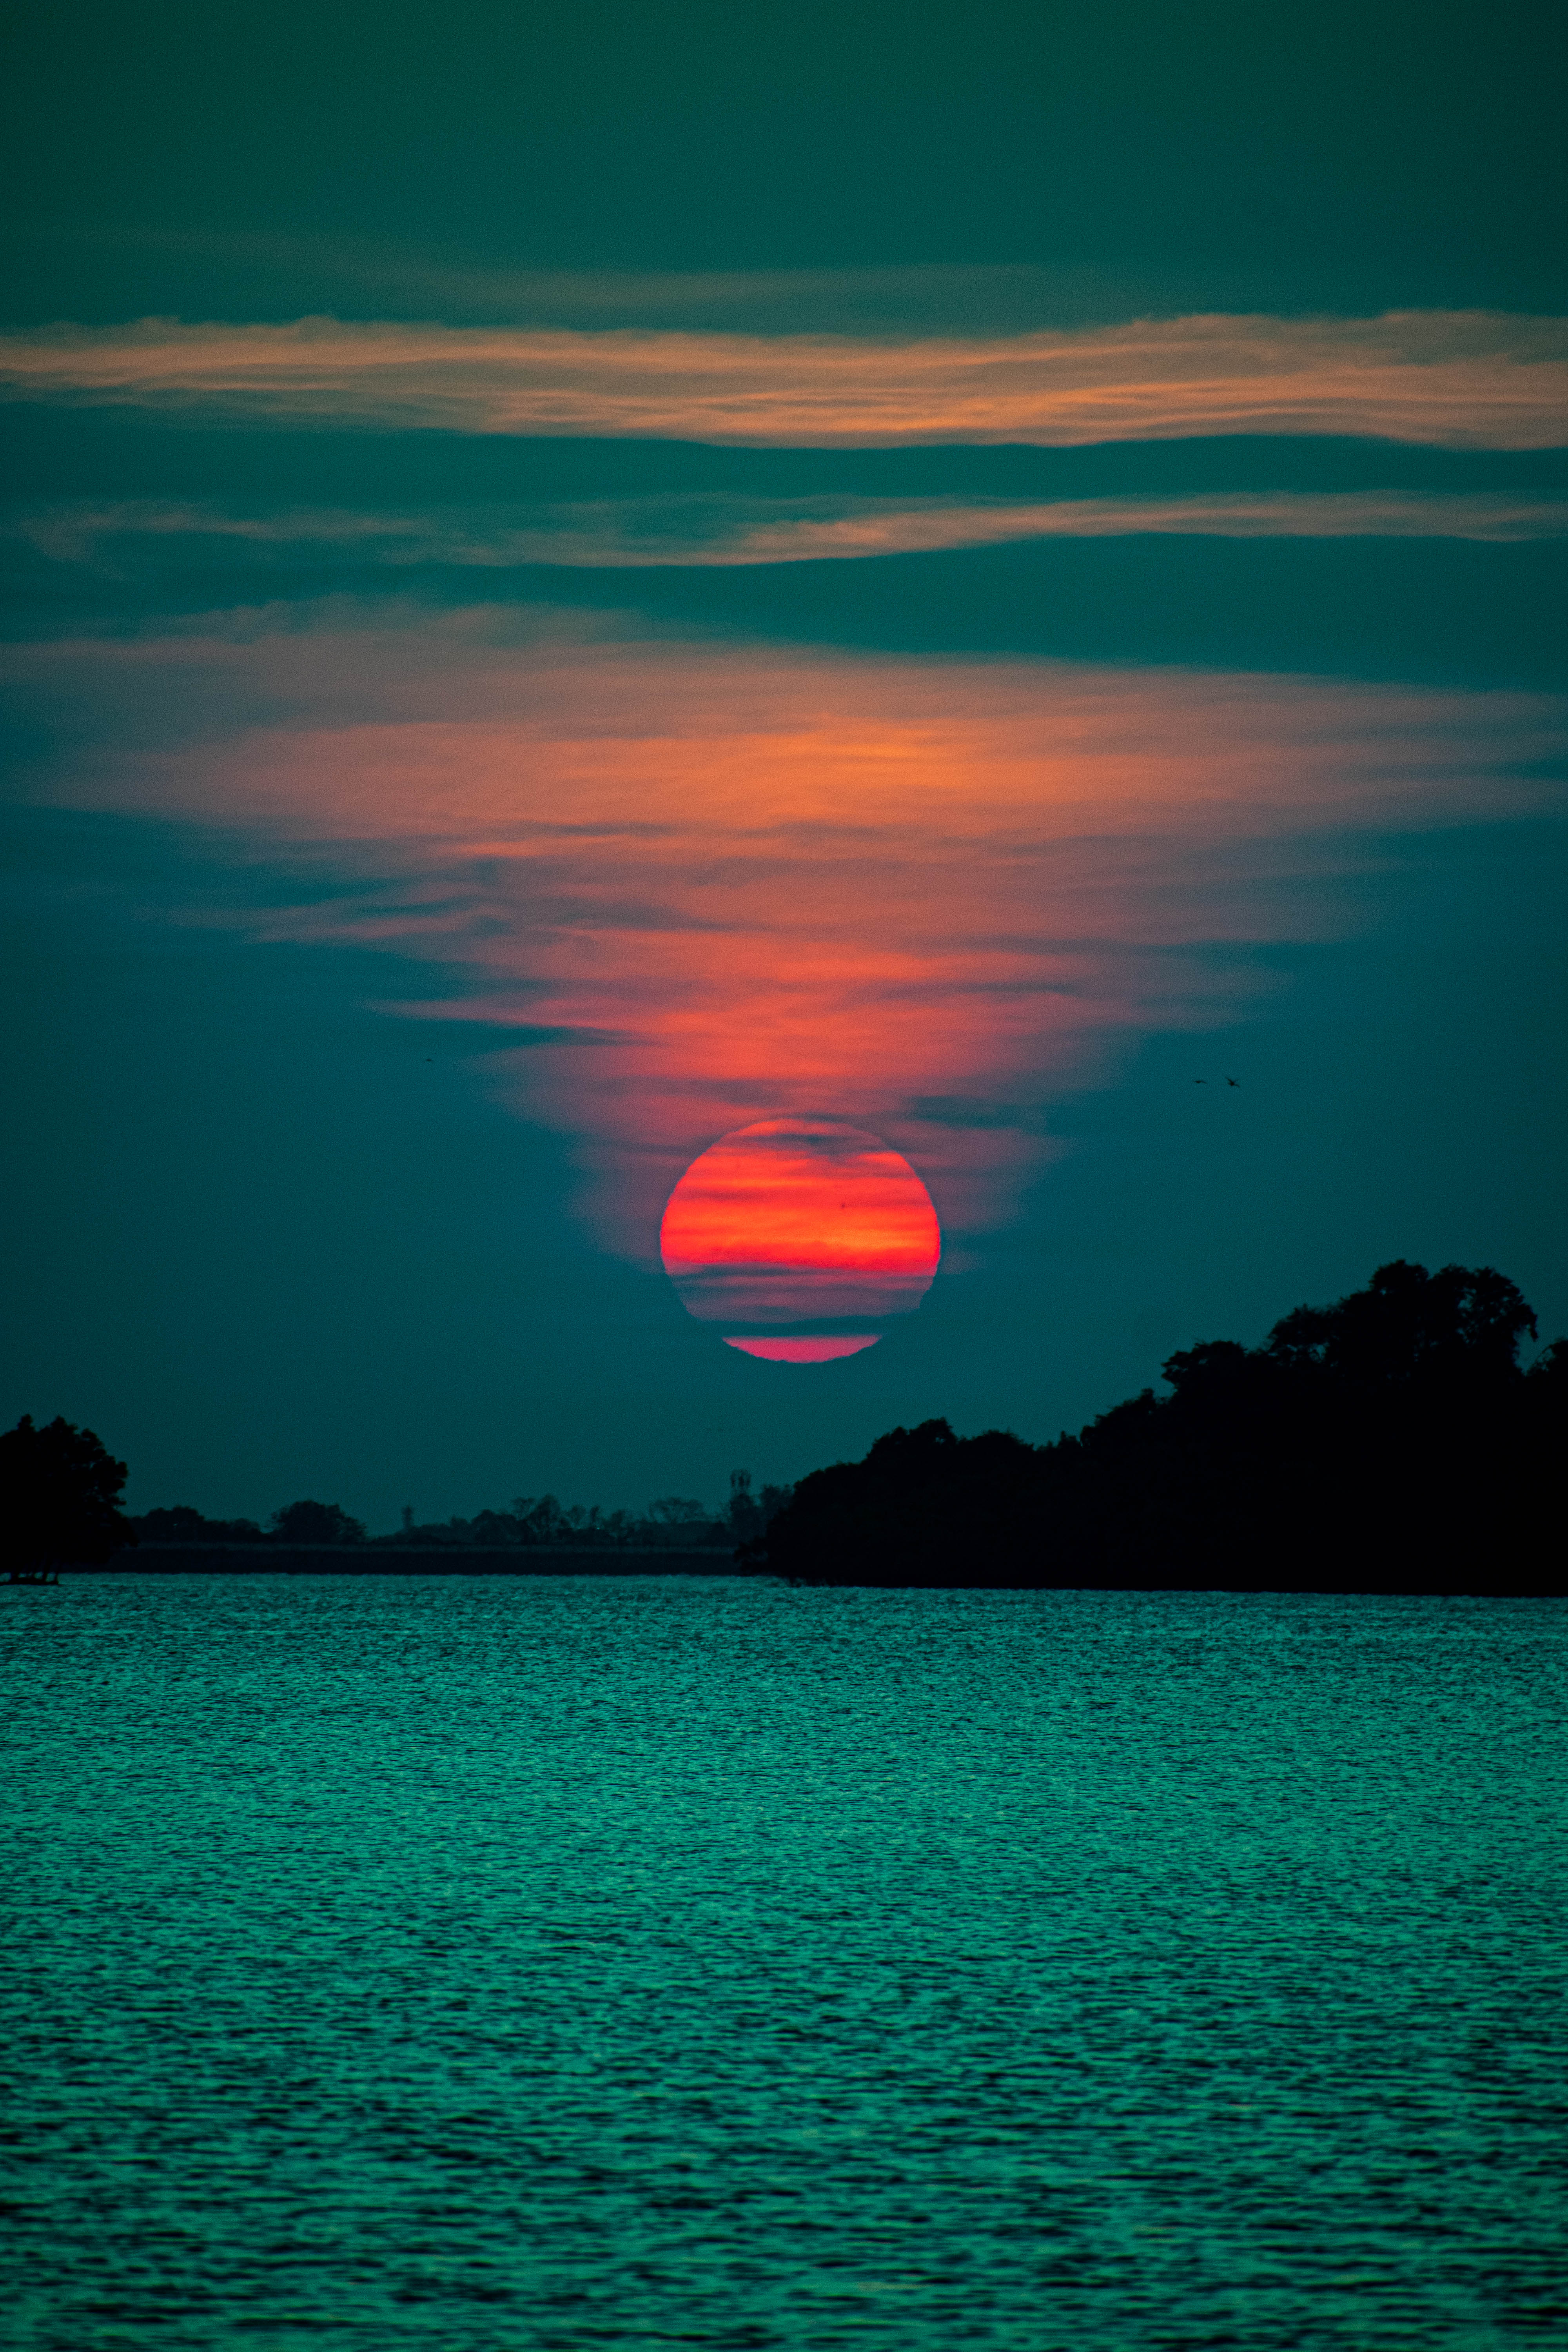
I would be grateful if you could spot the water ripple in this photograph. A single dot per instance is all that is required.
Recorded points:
(506, 1965)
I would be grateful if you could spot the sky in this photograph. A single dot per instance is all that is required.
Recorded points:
(985, 582)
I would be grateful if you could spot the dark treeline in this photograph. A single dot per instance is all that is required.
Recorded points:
(59, 1507)
(1390, 1442)
(674, 1522)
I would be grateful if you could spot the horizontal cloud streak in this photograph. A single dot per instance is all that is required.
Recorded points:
(641, 534)
(729, 884)
(373, 277)
(1459, 380)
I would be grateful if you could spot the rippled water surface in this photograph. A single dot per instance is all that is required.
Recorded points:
(479, 1964)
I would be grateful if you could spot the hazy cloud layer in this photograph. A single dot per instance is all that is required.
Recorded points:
(727, 529)
(369, 277)
(700, 886)
(1469, 379)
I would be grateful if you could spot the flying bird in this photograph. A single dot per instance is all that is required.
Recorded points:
(1200, 1082)
(1233, 1082)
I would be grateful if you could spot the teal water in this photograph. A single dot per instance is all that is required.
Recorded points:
(485, 1965)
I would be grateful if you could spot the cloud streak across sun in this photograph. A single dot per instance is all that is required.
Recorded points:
(687, 885)
(800, 1220)
(1451, 379)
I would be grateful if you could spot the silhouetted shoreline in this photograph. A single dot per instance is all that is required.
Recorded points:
(1390, 1443)
(411, 1560)
(961, 1573)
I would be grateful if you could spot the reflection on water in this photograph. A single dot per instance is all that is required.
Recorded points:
(511, 1964)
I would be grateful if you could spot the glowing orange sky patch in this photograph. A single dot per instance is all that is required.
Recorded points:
(792, 1220)
(703, 885)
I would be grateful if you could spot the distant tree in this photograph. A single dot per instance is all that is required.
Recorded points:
(316, 1522)
(749, 1515)
(59, 1497)
(545, 1521)
(676, 1522)
(743, 1517)
(495, 1528)
(179, 1523)
(677, 1511)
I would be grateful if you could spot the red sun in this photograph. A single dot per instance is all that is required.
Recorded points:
(804, 1236)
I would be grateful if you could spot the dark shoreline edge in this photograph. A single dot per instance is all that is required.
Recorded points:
(591, 1559)
(417, 1559)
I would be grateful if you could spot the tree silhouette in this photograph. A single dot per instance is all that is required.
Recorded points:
(59, 1497)
(316, 1522)
(677, 1511)
(1388, 1442)
(180, 1523)
(1408, 1325)
(743, 1515)
(748, 1515)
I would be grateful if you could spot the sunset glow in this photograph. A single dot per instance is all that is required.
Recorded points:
(686, 887)
(805, 1351)
(800, 1220)
(785, 820)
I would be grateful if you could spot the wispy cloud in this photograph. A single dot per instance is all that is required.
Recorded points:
(640, 532)
(1454, 379)
(364, 276)
(700, 886)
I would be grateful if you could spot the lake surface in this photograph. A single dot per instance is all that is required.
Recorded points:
(485, 1965)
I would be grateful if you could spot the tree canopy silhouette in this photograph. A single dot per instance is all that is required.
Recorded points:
(180, 1523)
(1390, 1442)
(59, 1497)
(316, 1522)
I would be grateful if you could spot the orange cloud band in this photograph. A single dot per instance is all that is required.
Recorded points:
(1459, 379)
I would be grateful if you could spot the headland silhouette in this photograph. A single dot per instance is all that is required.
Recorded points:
(1390, 1442)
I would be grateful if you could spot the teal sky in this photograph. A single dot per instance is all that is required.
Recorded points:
(766, 600)
(1345, 157)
